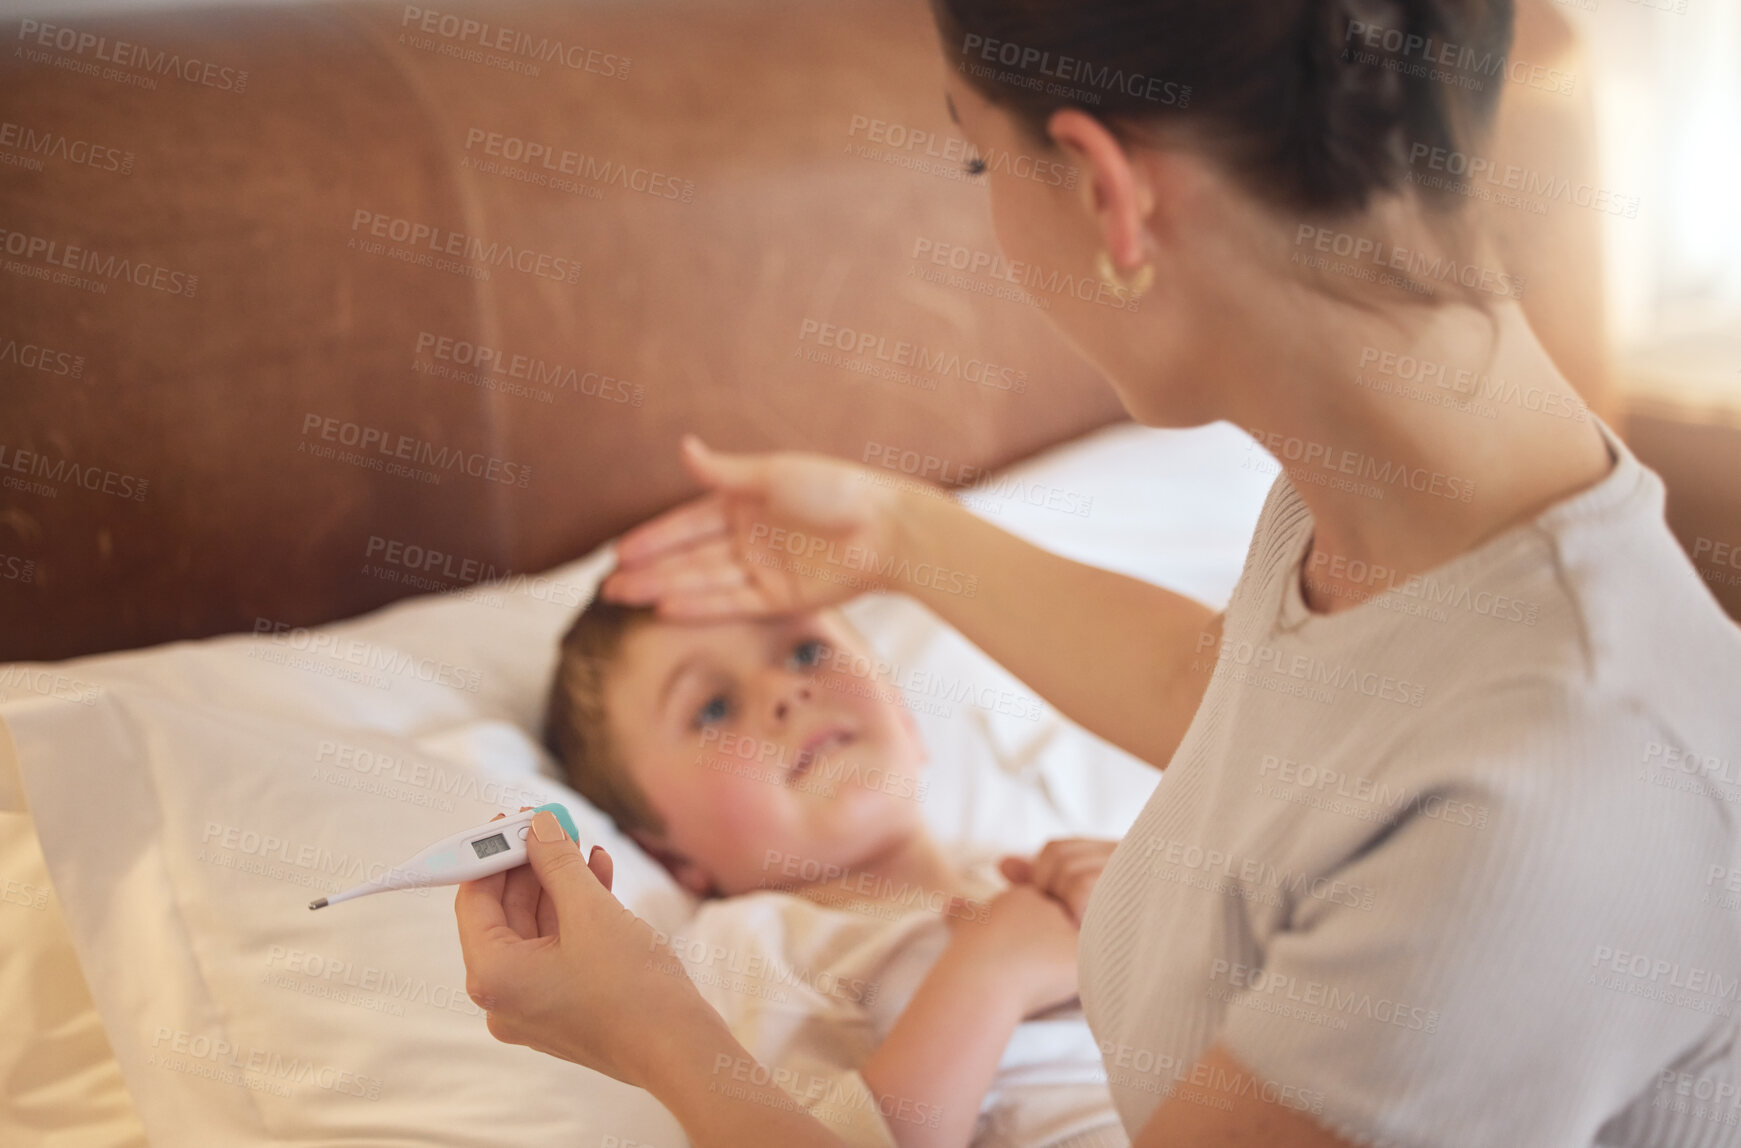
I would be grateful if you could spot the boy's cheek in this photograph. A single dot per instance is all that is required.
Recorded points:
(722, 820)
(743, 808)
(715, 798)
(875, 701)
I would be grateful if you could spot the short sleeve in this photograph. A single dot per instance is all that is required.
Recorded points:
(1279, 523)
(1533, 940)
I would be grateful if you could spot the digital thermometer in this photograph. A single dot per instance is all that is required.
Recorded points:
(488, 849)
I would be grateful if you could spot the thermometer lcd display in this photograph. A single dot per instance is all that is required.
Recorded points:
(490, 846)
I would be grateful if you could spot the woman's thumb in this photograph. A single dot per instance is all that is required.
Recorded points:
(557, 860)
(737, 473)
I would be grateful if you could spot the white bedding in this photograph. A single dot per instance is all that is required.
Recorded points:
(190, 799)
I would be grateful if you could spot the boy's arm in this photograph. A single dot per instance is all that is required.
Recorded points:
(934, 1068)
(940, 1057)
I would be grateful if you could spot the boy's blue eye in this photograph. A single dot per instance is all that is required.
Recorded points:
(809, 654)
(717, 709)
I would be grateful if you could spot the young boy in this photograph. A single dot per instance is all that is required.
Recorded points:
(893, 992)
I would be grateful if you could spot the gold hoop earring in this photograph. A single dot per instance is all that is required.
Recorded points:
(1138, 281)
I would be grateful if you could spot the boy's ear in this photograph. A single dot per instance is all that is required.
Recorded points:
(684, 871)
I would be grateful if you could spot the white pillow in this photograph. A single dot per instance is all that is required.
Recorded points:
(190, 814)
(63, 1087)
(191, 799)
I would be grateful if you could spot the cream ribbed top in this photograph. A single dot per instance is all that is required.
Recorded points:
(1455, 866)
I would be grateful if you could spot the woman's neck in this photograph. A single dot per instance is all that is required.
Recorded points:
(1414, 438)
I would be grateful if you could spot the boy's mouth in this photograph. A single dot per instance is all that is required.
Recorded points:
(817, 744)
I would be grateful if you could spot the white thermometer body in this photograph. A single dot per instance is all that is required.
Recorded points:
(466, 856)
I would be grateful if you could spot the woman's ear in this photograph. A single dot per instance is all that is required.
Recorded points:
(685, 872)
(1115, 190)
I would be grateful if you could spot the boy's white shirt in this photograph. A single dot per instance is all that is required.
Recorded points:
(811, 989)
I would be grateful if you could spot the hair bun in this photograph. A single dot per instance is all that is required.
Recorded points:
(1316, 104)
(1382, 76)
(1353, 98)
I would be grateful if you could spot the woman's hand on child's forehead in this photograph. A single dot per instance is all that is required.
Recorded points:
(769, 539)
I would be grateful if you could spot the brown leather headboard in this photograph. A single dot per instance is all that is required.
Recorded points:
(292, 298)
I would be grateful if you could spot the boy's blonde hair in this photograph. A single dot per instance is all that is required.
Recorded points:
(576, 724)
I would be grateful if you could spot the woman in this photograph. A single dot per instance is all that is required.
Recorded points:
(1428, 866)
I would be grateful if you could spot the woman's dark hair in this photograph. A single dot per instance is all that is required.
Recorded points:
(1315, 105)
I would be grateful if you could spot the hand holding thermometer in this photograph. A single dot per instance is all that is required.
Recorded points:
(490, 848)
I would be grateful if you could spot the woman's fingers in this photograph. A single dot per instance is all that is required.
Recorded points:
(520, 899)
(483, 923)
(1017, 870)
(546, 915)
(701, 569)
(675, 530)
(737, 473)
(584, 994)
(711, 565)
(718, 605)
(562, 870)
(713, 558)
(599, 861)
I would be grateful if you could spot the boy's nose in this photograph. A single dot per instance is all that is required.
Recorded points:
(788, 699)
